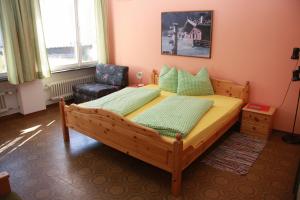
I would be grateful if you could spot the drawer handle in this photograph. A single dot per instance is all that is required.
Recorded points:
(253, 128)
(256, 119)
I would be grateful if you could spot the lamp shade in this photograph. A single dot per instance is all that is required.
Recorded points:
(139, 75)
(295, 55)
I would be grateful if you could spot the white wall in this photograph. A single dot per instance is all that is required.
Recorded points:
(32, 96)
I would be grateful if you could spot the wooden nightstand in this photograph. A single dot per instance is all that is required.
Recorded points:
(257, 123)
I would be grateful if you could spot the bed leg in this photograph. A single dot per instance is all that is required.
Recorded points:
(65, 129)
(177, 166)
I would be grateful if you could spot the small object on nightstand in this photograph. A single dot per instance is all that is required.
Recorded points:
(139, 76)
(258, 107)
(137, 85)
(257, 120)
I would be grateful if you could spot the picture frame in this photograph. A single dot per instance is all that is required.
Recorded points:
(187, 33)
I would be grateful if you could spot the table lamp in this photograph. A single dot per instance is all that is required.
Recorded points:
(139, 76)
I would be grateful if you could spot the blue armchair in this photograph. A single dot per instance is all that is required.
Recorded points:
(109, 78)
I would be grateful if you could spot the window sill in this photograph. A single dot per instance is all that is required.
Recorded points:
(4, 78)
(72, 69)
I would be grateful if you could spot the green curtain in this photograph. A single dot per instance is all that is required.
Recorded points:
(25, 51)
(102, 30)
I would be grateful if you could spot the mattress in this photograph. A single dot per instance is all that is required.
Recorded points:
(223, 111)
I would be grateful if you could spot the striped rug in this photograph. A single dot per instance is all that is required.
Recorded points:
(236, 154)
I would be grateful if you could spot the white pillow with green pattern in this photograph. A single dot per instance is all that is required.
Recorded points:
(198, 85)
(168, 79)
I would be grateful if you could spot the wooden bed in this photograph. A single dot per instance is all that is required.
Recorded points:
(141, 142)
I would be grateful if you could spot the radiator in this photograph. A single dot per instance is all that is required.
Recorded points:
(64, 88)
(3, 105)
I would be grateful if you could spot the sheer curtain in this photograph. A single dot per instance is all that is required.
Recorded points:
(101, 13)
(25, 51)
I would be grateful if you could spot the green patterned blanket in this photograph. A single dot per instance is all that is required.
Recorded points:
(124, 101)
(176, 114)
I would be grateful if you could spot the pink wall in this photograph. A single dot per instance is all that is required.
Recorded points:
(252, 40)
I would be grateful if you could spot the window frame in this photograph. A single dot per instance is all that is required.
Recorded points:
(79, 64)
(70, 67)
(65, 68)
(3, 75)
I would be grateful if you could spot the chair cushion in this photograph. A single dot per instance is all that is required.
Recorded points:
(112, 75)
(94, 90)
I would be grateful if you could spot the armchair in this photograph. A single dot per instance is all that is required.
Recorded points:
(109, 78)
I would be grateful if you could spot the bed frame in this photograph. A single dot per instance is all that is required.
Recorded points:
(145, 143)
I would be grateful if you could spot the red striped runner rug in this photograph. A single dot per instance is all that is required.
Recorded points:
(236, 154)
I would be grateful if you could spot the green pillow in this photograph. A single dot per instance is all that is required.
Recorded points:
(168, 79)
(190, 85)
(207, 87)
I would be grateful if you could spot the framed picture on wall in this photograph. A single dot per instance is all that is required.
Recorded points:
(187, 33)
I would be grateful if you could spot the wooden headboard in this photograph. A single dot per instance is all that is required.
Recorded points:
(221, 87)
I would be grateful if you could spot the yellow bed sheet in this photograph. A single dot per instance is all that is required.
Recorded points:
(223, 110)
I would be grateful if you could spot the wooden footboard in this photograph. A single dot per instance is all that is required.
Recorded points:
(128, 137)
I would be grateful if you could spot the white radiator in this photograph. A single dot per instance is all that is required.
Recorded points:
(64, 88)
(3, 105)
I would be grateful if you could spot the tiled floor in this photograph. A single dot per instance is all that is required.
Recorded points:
(43, 167)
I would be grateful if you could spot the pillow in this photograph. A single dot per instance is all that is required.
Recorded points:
(207, 87)
(168, 79)
(190, 85)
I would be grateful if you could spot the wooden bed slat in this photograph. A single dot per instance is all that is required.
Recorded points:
(177, 165)
(65, 129)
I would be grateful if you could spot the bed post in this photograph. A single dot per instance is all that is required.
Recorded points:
(177, 165)
(154, 77)
(246, 92)
(64, 127)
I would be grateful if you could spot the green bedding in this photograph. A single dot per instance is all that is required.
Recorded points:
(175, 114)
(124, 101)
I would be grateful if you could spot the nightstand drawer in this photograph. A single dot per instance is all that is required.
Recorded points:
(256, 134)
(259, 129)
(256, 117)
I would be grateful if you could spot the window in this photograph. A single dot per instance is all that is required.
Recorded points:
(2, 60)
(70, 33)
